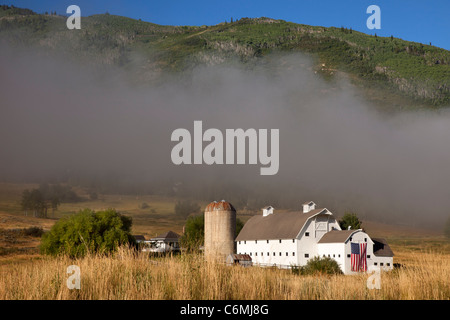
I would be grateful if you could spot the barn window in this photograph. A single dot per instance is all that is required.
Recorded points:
(334, 255)
(368, 256)
(274, 254)
(256, 253)
(375, 263)
(280, 254)
(293, 240)
(256, 241)
(388, 264)
(306, 234)
(280, 240)
(339, 255)
(293, 254)
(267, 254)
(287, 254)
(267, 241)
(306, 255)
(381, 264)
(348, 256)
(239, 242)
(262, 254)
(245, 242)
(250, 253)
(365, 239)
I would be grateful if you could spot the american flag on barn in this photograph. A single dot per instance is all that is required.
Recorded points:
(359, 257)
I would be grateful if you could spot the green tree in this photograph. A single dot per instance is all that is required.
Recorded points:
(239, 226)
(88, 231)
(350, 220)
(194, 233)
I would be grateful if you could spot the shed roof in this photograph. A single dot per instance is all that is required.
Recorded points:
(381, 248)
(139, 237)
(336, 236)
(241, 257)
(169, 235)
(281, 225)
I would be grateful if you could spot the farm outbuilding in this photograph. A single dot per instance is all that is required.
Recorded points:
(287, 239)
(139, 238)
(166, 242)
(239, 259)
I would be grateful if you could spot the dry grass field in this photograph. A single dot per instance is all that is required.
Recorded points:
(128, 275)
(25, 274)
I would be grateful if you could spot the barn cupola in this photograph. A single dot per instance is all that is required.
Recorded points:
(308, 206)
(267, 210)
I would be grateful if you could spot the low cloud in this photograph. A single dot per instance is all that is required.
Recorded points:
(62, 121)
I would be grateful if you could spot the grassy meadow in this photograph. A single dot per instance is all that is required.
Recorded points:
(26, 274)
(129, 275)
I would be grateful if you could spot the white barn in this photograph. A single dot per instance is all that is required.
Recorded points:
(288, 239)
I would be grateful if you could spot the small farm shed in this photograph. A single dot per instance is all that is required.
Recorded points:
(242, 259)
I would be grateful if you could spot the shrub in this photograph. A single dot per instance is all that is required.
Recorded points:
(316, 265)
(88, 232)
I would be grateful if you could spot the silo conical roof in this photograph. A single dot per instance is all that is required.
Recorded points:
(220, 205)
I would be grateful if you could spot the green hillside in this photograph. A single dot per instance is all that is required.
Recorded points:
(385, 68)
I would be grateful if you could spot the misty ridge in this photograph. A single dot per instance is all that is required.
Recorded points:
(61, 121)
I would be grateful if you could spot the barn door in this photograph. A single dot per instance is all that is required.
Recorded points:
(321, 226)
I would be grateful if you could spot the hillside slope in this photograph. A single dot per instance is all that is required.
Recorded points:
(407, 73)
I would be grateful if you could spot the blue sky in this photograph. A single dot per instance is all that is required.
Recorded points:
(413, 20)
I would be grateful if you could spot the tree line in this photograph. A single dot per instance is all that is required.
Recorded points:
(39, 200)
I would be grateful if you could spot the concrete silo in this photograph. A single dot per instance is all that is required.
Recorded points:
(220, 229)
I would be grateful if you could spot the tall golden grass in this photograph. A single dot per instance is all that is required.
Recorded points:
(131, 275)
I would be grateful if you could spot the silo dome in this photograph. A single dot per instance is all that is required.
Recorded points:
(220, 229)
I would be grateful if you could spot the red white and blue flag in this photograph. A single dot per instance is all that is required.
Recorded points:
(359, 256)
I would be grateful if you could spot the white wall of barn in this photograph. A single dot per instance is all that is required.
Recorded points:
(280, 252)
(384, 263)
(357, 237)
(336, 251)
(311, 233)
